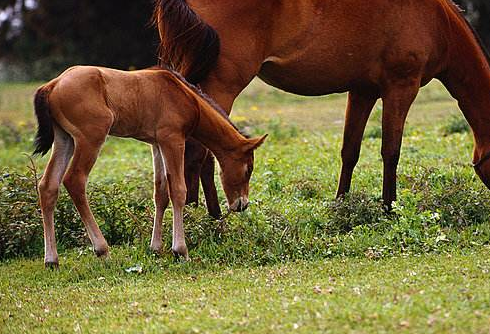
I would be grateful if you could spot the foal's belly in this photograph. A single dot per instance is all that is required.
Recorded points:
(136, 127)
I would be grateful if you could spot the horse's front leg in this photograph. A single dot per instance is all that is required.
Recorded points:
(160, 196)
(357, 114)
(209, 188)
(397, 100)
(172, 148)
(194, 158)
(200, 162)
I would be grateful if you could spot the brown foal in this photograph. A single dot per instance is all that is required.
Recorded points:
(373, 49)
(80, 108)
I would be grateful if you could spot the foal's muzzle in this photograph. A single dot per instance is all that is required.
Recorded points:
(240, 204)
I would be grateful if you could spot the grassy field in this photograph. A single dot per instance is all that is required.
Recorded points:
(425, 294)
(296, 261)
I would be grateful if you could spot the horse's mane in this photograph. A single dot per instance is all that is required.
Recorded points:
(459, 11)
(188, 45)
(198, 91)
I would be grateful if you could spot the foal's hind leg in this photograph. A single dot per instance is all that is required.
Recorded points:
(75, 181)
(358, 109)
(49, 188)
(397, 100)
(161, 198)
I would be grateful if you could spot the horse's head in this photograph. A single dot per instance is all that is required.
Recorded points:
(481, 164)
(236, 170)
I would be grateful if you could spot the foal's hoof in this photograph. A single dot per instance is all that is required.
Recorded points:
(51, 265)
(102, 252)
(181, 253)
(156, 249)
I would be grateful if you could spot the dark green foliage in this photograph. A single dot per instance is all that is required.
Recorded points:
(58, 33)
(20, 226)
(455, 124)
(123, 211)
(373, 132)
(10, 134)
(439, 211)
(478, 13)
(448, 194)
(355, 209)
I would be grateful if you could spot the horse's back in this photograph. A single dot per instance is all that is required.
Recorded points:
(315, 47)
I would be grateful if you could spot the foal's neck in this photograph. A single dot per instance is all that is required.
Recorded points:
(217, 133)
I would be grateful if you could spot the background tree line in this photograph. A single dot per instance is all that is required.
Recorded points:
(38, 38)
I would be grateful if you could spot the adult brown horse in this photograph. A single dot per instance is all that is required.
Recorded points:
(373, 49)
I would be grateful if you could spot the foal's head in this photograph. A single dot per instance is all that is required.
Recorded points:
(236, 170)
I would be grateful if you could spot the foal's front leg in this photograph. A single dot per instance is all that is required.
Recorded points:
(160, 196)
(172, 148)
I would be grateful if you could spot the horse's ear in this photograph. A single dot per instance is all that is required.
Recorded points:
(255, 143)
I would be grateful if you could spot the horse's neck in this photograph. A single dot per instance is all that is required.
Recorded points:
(468, 81)
(217, 133)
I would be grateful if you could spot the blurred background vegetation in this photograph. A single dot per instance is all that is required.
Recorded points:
(40, 38)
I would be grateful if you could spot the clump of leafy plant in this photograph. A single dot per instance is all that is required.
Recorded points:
(455, 124)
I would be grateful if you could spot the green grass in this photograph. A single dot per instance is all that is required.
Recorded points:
(424, 294)
(296, 260)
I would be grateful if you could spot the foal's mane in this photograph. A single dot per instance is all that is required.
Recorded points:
(459, 11)
(195, 89)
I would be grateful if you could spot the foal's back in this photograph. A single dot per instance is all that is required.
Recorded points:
(131, 104)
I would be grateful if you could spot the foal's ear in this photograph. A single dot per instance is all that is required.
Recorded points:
(255, 143)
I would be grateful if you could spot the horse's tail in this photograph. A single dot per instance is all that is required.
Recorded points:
(188, 45)
(45, 132)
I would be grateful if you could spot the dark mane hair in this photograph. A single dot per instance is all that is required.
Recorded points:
(460, 12)
(214, 105)
(188, 45)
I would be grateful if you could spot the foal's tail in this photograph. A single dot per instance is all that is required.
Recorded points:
(45, 132)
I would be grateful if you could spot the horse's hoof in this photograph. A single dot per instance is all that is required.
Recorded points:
(215, 213)
(388, 208)
(51, 265)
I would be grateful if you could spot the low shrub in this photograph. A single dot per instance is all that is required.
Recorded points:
(455, 124)
(122, 210)
(436, 210)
